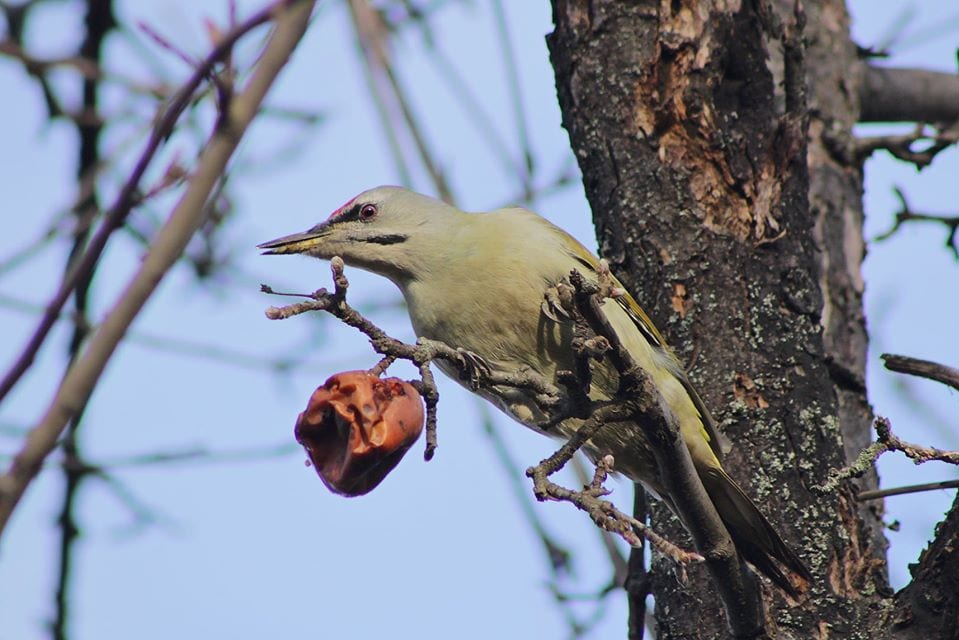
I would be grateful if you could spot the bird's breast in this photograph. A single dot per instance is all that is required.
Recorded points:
(503, 325)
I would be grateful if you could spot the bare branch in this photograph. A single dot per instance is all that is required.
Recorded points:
(908, 95)
(922, 368)
(291, 19)
(36, 66)
(863, 463)
(559, 558)
(917, 453)
(371, 33)
(603, 512)
(738, 590)
(510, 62)
(129, 195)
(617, 560)
(195, 456)
(914, 488)
(906, 147)
(471, 368)
(99, 21)
(886, 441)
(906, 214)
(637, 584)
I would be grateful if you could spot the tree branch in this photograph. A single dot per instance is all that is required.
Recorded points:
(129, 195)
(371, 34)
(922, 368)
(908, 95)
(472, 369)
(292, 18)
(590, 499)
(637, 584)
(738, 589)
(905, 147)
(906, 214)
(913, 488)
(886, 440)
(99, 21)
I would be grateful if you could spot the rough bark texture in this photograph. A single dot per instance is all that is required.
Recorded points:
(834, 75)
(690, 126)
(929, 606)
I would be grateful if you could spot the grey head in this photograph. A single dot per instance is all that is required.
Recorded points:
(387, 230)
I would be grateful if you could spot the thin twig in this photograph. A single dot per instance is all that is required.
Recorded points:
(291, 18)
(915, 452)
(603, 512)
(371, 31)
(903, 147)
(471, 368)
(914, 488)
(193, 456)
(378, 94)
(886, 441)
(863, 463)
(558, 557)
(617, 560)
(98, 23)
(906, 214)
(511, 66)
(738, 590)
(922, 368)
(129, 194)
(637, 583)
(185, 347)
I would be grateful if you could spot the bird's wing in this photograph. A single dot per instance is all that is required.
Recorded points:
(717, 442)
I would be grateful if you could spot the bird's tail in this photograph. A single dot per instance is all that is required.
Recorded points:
(755, 539)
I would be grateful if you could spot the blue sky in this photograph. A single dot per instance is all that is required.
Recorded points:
(260, 547)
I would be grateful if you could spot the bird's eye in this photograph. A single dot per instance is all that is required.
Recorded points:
(367, 211)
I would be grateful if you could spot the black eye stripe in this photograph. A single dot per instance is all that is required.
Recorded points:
(387, 238)
(350, 215)
(356, 213)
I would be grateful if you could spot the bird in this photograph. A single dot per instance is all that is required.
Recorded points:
(477, 281)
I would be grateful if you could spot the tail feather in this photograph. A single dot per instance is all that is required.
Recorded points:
(755, 539)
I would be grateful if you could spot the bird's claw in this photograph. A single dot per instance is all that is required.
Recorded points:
(608, 286)
(475, 367)
(555, 302)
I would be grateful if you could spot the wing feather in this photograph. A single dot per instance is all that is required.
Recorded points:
(717, 442)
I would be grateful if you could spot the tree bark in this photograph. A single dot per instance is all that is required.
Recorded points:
(706, 136)
(929, 606)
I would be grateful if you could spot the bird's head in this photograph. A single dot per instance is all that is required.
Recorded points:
(390, 231)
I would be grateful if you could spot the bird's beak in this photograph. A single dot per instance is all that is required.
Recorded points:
(294, 243)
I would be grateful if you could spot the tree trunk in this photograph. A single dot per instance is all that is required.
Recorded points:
(720, 201)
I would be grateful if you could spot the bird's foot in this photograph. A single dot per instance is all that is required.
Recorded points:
(474, 368)
(608, 285)
(556, 301)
